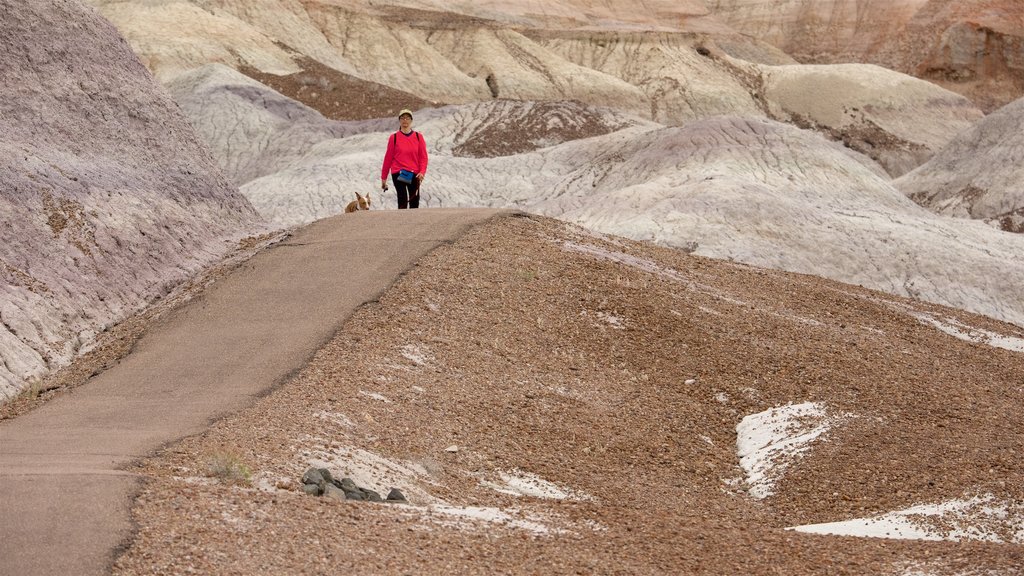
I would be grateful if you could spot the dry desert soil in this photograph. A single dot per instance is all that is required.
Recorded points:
(552, 401)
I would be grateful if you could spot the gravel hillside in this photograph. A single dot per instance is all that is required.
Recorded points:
(553, 401)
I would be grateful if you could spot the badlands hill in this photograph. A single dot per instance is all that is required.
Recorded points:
(550, 398)
(973, 47)
(748, 189)
(659, 123)
(555, 401)
(107, 197)
(980, 174)
(531, 105)
(670, 67)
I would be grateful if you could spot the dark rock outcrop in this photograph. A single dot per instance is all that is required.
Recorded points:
(319, 482)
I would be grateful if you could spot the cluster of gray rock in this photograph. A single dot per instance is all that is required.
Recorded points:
(320, 482)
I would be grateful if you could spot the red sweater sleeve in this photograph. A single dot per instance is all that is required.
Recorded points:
(423, 155)
(389, 157)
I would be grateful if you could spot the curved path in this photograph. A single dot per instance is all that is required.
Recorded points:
(64, 495)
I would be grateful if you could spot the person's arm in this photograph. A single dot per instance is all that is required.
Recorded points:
(423, 157)
(389, 157)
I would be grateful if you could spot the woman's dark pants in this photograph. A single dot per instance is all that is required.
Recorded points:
(408, 194)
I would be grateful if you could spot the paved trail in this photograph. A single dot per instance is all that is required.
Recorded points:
(64, 494)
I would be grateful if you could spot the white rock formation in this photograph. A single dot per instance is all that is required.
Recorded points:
(978, 175)
(769, 194)
(748, 189)
(679, 82)
(107, 197)
(486, 154)
(253, 130)
(177, 36)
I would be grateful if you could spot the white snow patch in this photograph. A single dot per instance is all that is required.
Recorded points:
(970, 334)
(798, 319)
(519, 483)
(767, 441)
(981, 518)
(589, 233)
(375, 396)
(652, 268)
(377, 473)
(626, 259)
(722, 398)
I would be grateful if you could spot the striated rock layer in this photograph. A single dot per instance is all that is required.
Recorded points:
(974, 47)
(107, 197)
(671, 64)
(822, 31)
(456, 53)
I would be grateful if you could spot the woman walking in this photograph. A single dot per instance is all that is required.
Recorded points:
(406, 161)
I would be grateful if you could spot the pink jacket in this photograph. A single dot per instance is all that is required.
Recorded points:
(405, 152)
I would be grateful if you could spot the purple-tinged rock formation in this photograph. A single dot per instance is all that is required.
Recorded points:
(107, 197)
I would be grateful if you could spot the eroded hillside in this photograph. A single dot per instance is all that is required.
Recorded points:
(973, 47)
(979, 174)
(107, 197)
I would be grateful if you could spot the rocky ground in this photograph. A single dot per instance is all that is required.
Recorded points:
(554, 401)
(336, 95)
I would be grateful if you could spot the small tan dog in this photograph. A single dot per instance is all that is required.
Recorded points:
(360, 203)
